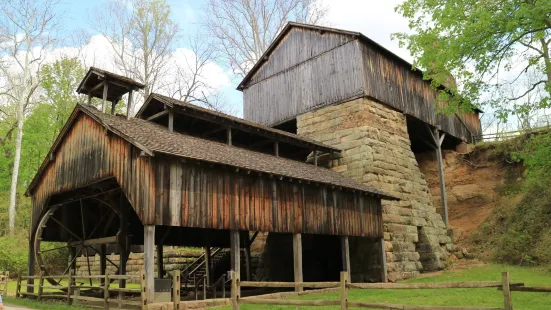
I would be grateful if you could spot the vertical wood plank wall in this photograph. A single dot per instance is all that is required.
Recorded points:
(309, 69)
(169, 191)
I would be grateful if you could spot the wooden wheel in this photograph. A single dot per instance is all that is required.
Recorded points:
(85, 231)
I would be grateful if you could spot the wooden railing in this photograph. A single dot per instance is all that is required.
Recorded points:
(72, 292)
(344, 286)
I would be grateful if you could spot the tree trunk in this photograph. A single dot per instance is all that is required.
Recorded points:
(16, 164)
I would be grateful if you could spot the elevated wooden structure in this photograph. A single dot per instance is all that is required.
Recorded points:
(307, 67)
(176, 176)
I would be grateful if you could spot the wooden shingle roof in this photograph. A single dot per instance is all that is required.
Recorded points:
(153, 138)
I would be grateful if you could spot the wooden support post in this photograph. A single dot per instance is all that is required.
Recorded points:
(149, 261)
(276, 148)
(208, 265)
(170, 120)
(444, 201)
(69, 287)
(113, 105)
(235, 253)
(345, 250)
(343, 290)
(122, 241)
(18, 288)
(508, 300)
(103, 259)
(235, 290)
(106, 293)
(160, 266)
(176, 289)
(40, 287)
(384, 274)
(297, 259)
(130, 105)
(30, 269)
(143, 287)
(229, 138)
(89, 99)
(315, 158)
(104, 98)
(248, 261)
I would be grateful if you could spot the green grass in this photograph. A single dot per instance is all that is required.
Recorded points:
(450, 297)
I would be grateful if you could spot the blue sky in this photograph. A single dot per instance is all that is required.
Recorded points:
(374, 18)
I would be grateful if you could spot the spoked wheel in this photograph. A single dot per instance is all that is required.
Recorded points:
(85, 228)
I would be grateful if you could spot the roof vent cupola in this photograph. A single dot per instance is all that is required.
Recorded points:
(109, 87)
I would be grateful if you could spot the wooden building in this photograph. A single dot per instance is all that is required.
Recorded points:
(178, 174)
(307, 67)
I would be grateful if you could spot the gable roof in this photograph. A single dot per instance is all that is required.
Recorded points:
(218, 117)
(290, 25)
(153, 138)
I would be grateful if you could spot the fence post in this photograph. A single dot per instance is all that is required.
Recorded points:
(142, 286)
(505, 280)
(106, 292)
(7, 278)
(18, 288)
(176, 289)
(234, 291)
(344, 290)
(40, 287)
(69, 289)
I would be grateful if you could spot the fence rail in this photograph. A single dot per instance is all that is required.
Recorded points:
(71, 292)
(344, 286)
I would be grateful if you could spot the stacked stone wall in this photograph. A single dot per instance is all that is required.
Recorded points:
(376, 152)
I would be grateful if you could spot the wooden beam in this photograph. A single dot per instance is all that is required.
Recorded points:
(130, 105)
(30, 269)
(248, 262)
(170, 120)
(276, 148)
(104, 98)
(210, 132)
(102, 259)
(93, 89)
(235, 250)
(229, 138)
(160, 269)
(89, 99)
(149, 261)
(208, 265)
(443, 198)
(345, 252)
(297, 259)
(97, 241)
(157, 115)
(113, 105)
(315, 158)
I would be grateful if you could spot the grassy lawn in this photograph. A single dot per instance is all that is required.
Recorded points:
(451, 297)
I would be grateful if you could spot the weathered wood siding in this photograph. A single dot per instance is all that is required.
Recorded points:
(387, 80)
(296, 47)
(309, 69)
(88, 154)
(166, 190)
(330, 77)
(197, 195)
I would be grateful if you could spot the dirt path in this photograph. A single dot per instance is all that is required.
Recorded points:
(9, 307)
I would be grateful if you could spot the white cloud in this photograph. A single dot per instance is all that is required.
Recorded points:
(373, 18)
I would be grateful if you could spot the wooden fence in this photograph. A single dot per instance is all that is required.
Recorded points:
(73, 292)
(344, 286)
(4, 279)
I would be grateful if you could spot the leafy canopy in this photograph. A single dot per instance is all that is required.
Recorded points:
(496, 50)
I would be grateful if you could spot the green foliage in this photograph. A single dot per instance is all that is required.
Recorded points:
(13, 254)
(482, 44)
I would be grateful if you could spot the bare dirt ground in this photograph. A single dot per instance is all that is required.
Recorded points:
(474, 188)
(8, 307)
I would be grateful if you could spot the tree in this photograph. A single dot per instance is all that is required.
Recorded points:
(141, 34)
(487, 46)
(243, 29)
(27, 29)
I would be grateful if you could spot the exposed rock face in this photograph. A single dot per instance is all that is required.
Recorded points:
(376, 152)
